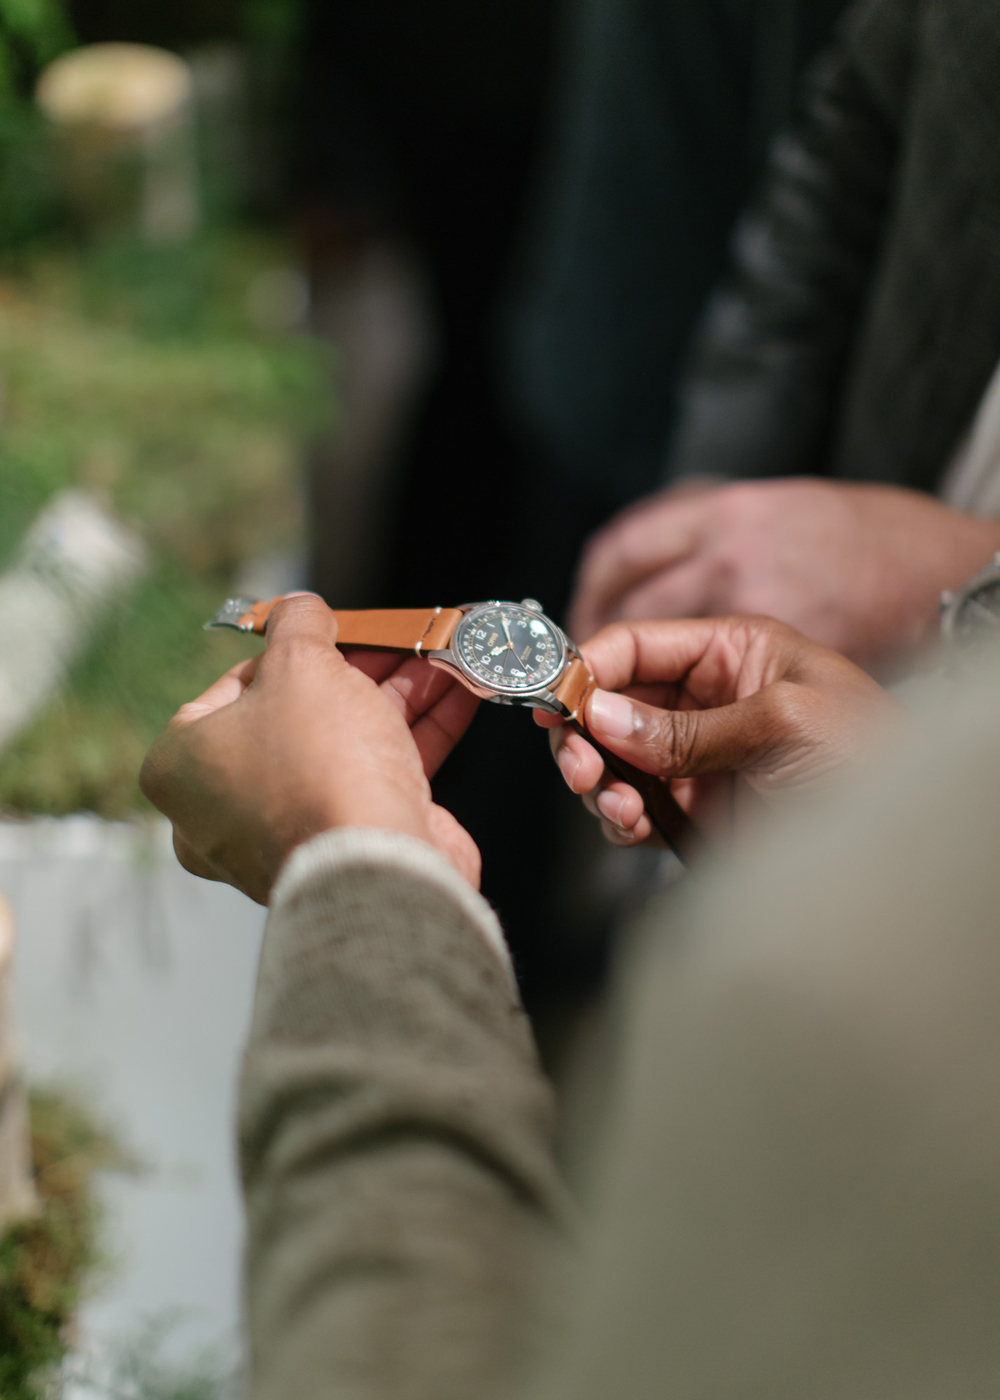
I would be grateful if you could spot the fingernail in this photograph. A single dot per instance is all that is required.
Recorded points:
(610, 806)
(568, 764)
(611, 714)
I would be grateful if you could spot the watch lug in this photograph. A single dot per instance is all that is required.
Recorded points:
(545, 701)
(445, 661)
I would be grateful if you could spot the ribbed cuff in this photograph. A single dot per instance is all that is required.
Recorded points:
(333, 850)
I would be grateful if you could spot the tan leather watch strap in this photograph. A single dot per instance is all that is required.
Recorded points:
(398, 629)
(430, 629)
(668, 817)
(574, 687)
(388, 629)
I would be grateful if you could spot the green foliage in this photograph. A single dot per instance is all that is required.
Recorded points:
(30, 202)
(273, 22)
(188, 434)
(32, 33)
(188, 420)
(85, 750)
(44, 1261)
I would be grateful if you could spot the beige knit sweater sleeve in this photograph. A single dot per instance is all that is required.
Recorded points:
(394, 1136)
(802, 1192)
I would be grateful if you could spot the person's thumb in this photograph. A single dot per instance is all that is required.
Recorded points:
(300, 617)
(683, 743)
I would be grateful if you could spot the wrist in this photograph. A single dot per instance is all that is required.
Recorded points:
(367, 812)
(334, 850)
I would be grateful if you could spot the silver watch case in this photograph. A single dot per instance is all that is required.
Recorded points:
(541, 697)
(970, 616)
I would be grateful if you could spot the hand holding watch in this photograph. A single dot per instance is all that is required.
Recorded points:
(507, 653)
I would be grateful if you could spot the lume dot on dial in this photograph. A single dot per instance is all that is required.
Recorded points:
(510, 648)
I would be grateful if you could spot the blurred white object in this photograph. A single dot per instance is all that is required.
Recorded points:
(17, 1194)
(124, 117)
(125, 87)
(134, 983)
(72, 561)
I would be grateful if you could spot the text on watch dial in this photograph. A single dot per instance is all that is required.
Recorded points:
(509, 648)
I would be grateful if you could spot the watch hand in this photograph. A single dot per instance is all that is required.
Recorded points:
(510, 644)
(518, 663)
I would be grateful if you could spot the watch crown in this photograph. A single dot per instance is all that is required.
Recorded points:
(946, 600)
(531, 603)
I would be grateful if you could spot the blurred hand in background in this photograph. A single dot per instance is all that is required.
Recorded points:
(859, 568)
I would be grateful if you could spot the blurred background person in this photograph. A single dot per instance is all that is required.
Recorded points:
(416, 139)
(416, 133)
(514, 215)
(663, 122)
(415, 136)
(856, 339)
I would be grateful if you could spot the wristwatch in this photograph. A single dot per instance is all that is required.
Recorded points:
(508, 653)
(970, 616)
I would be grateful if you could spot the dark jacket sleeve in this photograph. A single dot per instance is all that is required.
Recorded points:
(770, 359)
(395, 1137)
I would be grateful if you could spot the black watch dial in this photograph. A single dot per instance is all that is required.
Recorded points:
(509, 648)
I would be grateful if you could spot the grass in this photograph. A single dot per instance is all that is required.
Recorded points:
(44, 1262)
(137, 374)
(84, 750)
